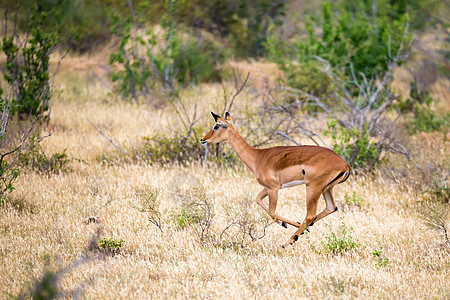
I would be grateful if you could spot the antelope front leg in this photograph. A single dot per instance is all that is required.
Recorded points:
(259, 200)
(273, 200)
(260, 197)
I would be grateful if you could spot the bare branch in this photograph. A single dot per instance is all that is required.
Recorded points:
(238, 88)
(102, 81)
(109, 139)
(285, 135)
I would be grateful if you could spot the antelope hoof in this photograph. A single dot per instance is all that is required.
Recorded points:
(291, 241)
(285, 246)
(282, 223)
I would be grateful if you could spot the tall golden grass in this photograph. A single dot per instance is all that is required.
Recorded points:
(42, 223)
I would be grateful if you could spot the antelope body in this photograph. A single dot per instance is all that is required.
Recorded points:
(275, 168)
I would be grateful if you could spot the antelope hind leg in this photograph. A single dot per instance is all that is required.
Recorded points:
(312, 198)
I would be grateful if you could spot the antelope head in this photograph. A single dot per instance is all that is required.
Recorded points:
(219, 132)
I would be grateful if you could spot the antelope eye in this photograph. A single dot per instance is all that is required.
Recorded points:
(216, 127)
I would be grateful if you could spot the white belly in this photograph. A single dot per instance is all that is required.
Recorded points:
(292, 183)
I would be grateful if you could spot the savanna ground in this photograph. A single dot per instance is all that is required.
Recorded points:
(45, 225)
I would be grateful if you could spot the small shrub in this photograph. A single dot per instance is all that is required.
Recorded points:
(8, 174)
(425, 119)
(9, 149)
(186, 217)
(162, 149)
(435, 216)
(196, 210)
(149, 204)
(353, 199)
(110, 245)
(36, 159)
(437, 190)
(338, 242)
(381, 261)
(246, 224)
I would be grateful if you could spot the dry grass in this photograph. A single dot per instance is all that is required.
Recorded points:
(42, 225)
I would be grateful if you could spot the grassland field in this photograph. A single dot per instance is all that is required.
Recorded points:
(43, 222)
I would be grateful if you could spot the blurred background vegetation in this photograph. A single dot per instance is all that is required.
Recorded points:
(337, 61)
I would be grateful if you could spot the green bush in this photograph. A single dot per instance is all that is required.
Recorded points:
(142, 63)
(8, 175)
(196, 210)
(110, 245)
(336, 243)
(425, 119)
(353, 39)
(244, 23)
(36, 159)
(353, 199)
(186, 217)
(381, 261)
(27, 66)
(340, 241)
(162, 149)
(80, 24)
(354, 145)
(352, 34)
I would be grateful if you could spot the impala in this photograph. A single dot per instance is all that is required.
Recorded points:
(282, 167)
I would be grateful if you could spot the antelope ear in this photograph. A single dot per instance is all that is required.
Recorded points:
(215, 116)
(228, 118)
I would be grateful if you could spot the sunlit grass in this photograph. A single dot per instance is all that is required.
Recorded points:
(42, 226)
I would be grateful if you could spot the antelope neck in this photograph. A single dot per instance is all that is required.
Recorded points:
(245, 152)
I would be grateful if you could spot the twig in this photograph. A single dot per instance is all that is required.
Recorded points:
(102, 81)
(19, 149)
(238, 91)
(285, 135)
(109, 139)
